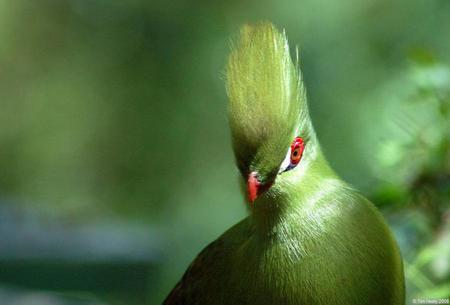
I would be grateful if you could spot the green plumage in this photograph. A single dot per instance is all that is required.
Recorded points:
(309, 239)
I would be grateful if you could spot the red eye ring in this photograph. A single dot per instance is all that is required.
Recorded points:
(297, 148)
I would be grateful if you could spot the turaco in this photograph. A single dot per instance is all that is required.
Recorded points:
(309, 239)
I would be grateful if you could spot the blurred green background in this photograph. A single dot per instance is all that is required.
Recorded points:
(115, 158)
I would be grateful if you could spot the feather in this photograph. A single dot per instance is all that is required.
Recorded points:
(267, 99)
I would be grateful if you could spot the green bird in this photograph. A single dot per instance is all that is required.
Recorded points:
(309, 239)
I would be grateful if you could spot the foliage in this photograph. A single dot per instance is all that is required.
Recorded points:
(414, 165)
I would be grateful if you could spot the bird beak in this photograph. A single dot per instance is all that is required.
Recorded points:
(255, 187)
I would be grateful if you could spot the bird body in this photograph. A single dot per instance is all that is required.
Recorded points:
(310, 239)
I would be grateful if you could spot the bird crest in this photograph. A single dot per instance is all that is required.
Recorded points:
(267, 101)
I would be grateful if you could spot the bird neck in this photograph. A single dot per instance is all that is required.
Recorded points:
(276, 212)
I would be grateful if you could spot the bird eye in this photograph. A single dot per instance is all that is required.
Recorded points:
(294, 155)
(297, 148)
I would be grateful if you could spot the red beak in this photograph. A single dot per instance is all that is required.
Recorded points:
(253, 186)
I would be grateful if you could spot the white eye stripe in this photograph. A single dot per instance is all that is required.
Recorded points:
(286, 162)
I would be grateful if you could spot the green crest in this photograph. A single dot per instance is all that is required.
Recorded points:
(267, 101)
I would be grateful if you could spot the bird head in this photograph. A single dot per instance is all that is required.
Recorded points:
(267, 113)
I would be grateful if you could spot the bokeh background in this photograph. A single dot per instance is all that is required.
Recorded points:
(115, 158)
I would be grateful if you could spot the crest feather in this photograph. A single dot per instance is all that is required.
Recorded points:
(264, 89)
